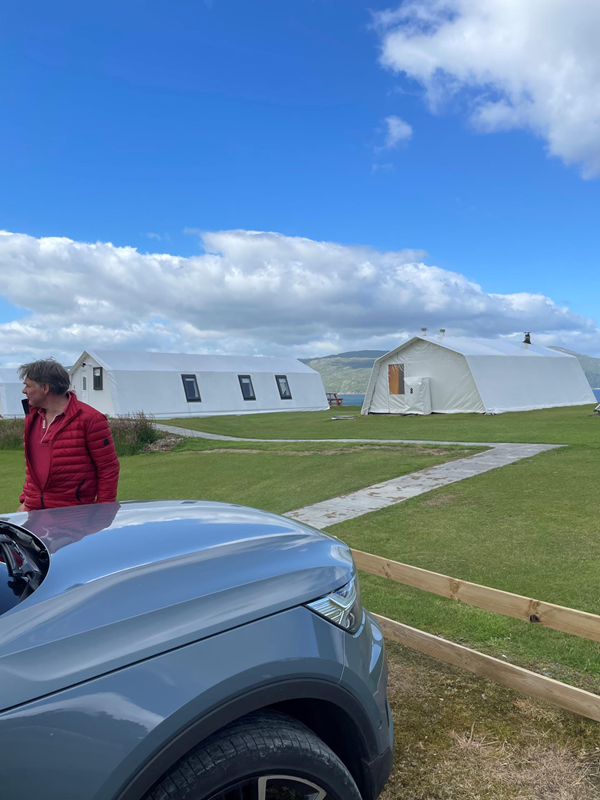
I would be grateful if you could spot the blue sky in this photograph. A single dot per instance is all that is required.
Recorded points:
(125, 119)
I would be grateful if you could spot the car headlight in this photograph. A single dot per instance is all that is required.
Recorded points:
(342, 607)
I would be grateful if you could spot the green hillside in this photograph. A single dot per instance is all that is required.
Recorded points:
(348, 373)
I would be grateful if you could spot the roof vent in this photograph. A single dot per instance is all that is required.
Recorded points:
(423, 331)
(442, 332)
(527, 339)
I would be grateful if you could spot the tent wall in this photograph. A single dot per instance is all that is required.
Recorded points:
(162, 395)
(524, 383)
(452, 388)
(82, 382)
(11, 394)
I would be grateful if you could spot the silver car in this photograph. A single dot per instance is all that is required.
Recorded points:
(185, 650)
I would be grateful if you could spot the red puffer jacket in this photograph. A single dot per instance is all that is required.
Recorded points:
(84, 467)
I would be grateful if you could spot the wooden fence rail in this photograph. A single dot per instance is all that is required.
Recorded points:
(559, 694)
(568, 620)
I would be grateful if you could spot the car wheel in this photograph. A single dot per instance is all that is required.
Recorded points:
(263, 756)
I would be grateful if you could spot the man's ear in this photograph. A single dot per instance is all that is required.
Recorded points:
(46, 388)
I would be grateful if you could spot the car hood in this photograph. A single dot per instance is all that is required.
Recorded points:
(128, 581)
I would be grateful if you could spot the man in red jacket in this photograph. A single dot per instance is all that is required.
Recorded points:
(70, 458)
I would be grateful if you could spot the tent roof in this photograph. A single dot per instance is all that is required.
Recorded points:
(122, 360)
(484, 347)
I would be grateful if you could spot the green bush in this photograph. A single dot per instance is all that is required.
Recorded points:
(132, 433)
(11, 434)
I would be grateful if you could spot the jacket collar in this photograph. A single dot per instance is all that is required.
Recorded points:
(72, 408)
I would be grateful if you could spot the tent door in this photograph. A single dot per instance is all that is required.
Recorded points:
(418, 396)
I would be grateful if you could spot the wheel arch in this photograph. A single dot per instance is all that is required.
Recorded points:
(326, 708)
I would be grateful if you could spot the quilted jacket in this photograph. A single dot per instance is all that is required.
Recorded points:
(84, 467)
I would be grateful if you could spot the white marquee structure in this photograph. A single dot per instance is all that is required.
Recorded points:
(453, 375)
(11, 394)
(164, 385)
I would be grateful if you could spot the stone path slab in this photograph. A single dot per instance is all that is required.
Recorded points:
(388, 493)
(382, 495)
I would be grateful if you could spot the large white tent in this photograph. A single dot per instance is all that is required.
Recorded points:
(11, 394)
(452, 375)
(166, 385)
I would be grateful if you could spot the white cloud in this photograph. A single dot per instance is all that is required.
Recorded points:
(249, 292)
(397, 131)
(528, 64)
(156, 236)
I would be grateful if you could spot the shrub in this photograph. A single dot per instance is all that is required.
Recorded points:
(11, 434)
(132, 433)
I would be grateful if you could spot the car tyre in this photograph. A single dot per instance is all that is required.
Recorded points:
(263, 756)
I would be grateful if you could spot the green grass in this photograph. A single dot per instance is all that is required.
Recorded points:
(532, 528)
(573, 425)
(276, 478)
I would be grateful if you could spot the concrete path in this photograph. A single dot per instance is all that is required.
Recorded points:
(381, 495)
(388, 493)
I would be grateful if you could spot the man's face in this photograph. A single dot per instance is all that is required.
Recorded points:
(36, 393)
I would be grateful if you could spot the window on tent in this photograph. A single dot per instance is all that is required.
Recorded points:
(246, 386)
(190, 386)
(284, 387)
(396, 378)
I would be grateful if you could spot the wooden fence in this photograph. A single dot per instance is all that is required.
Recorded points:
(568, 620)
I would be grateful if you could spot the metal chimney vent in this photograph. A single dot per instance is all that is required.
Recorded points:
(423, 331)
(527, 339)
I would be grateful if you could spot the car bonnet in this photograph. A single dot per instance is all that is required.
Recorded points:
(129, 581)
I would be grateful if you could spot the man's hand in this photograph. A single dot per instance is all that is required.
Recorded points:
(21, 508)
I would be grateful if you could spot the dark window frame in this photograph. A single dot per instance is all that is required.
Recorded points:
(249, 377)
(188, 376)
(97, 373)
(283, 396)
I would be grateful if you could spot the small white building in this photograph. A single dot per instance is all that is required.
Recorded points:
(454, 375)
(165, 385)
(11, 394)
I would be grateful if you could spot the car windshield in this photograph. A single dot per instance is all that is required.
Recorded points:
(23, 565)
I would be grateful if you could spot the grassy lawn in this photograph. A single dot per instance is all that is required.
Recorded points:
(573, 425)
(532, 528)
(274, 477)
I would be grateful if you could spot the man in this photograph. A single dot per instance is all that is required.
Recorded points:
(70, 458)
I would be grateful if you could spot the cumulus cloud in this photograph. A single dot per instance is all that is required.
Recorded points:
(248, 292)
(397, 131)
(532, 65)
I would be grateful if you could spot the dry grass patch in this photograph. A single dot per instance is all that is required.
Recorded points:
(460, 737)
(438, 500)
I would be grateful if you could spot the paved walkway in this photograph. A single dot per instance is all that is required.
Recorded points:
(388, 493)
(381, 495)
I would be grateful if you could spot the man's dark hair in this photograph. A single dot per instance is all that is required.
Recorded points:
(47, 371)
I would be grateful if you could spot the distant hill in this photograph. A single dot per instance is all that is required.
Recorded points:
(348, 373)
